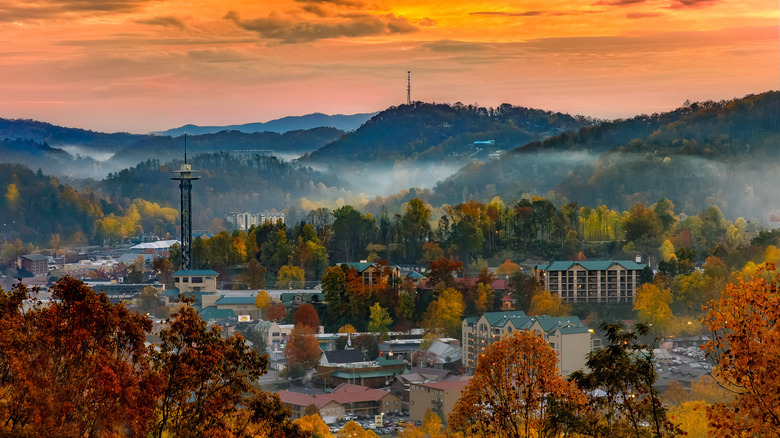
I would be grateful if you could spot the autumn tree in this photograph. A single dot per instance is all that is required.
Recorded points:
(444, 314)
(652, 304)
(149, 301)
(619, 382)
(516, 391)
(314, 426)
(290, 277)
(347, 328)
(443, 271)
(253, 275)
(262, 299)
(354, 430)
(380, 321)
(744, 345)
(277, 312)
(303, 347)
(546, 303)
(73, 367)
(206, 380)
(306, 316)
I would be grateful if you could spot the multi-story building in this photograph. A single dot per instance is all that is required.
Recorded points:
(439, 397)
(245, 221)
(36, 263)
(187, 281)
(566, 335)
(374, 273)
(610, 281)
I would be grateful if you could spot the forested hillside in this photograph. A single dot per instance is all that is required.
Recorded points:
(710, 153)
(424, 131)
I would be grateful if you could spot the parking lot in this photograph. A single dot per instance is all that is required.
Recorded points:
(393, 423)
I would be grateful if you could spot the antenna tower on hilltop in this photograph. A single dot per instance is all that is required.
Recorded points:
(185, 175)
(409, 87)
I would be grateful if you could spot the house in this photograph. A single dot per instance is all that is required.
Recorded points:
(570, 339)
(346, 398)
(36, 263)
(610, 281)
(439, 397)
(187, 281)
(375, 273)
(338, 367)
(402, 383)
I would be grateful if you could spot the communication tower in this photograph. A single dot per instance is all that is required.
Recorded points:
(408, 87)
(185, 175)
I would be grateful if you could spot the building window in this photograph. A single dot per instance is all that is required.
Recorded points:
(197, 279)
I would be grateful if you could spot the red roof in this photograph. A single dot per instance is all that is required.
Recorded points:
(343, 394)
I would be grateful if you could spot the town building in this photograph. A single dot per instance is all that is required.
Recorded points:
(565, 334)
(439, 397)
(187, 281)
(375, 273)
(609, 281)
(36, 263)
(348, 366)
(246, 220)
(346, 398)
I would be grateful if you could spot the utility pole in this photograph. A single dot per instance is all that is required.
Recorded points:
(409, 87)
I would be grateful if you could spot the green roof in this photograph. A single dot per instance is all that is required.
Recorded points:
(212, 312)
(385, 362)
(518, 318)
(236, 300)
(35, 257)
(171, 293)
(289, 297)
(471, 321)
(498, 319)
(191, 272)
(591, 265)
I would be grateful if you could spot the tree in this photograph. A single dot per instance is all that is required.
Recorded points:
(744, 345)
(306, 316)
(354, 430)
(290, 277)
(254, 275)
(262, 299)
(303, 347)
(515, 392)
(73, 367)
(149, 301)
(380, 321)
(207, 380)
(431, 424)
(546, 303)
(444, 314)
(652, 304)
(277, 312)
(507, 268)
(622, 399)
(347, 328)
(443, 271)
(163, 269)
(314, 426)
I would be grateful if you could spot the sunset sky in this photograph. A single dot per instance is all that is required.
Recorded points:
(146, 65)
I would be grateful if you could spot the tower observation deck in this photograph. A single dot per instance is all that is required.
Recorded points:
(185, 175)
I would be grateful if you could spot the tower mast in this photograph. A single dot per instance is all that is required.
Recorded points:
(408, 87)
(185, 175)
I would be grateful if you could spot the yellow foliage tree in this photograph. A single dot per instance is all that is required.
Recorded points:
(354, 430)
(652, 304)
(290, 277)
(545, 303)
(347, 328)
(667, 251)
(445, 312)
(507, 268)
(431, 424)
(483, 301)
(262, 299)
(692, 419)
(312, 425)
(12, 196)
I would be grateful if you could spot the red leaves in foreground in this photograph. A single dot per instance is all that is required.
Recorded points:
(78, 367)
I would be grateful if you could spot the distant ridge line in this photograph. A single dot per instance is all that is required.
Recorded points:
(282, 125)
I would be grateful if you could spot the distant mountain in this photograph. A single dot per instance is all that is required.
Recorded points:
(285, 124)
(69, 151)
(424, 131)
(709, 153)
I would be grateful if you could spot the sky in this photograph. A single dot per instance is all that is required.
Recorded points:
(146, 65)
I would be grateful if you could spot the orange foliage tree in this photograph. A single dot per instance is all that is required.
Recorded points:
(745, 345)
(277, 312)
(307, 316)
(75, 366)
(515, 391)
(303, 347)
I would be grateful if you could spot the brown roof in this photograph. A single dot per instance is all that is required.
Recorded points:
(448, 384)
(343, 394)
